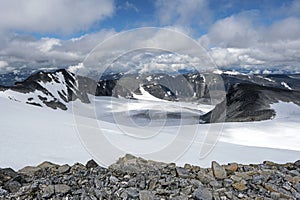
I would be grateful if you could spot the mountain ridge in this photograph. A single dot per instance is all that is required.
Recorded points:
(248, 98)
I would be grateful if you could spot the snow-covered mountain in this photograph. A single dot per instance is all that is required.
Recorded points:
(250, 102)
(55, 89)
(248, 97)
(152, 111)
(51, 89)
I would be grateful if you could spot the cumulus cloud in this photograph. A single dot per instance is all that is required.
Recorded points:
(180, 46)
(237, 41)
(153, 60)
(241, 39)
(233, 31)
(63, 16)
(4, 66)
(19, 50)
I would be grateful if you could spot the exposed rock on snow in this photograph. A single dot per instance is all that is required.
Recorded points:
(250, 102)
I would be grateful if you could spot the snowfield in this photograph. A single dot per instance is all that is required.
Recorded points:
(31, 135)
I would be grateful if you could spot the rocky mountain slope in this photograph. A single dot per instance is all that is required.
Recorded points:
(248, 97)
(55, 89)
(51, 89)
(250, 102)
(135, 178)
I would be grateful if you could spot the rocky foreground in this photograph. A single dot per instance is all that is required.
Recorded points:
(135, 178)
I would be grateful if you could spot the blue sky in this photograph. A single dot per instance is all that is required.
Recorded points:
(130, 14)
(237, 33)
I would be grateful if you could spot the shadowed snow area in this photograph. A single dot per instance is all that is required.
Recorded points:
(30, 135)
(147, 110)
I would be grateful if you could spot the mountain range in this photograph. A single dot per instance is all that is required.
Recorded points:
(236, 96)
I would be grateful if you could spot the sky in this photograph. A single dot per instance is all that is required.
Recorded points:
(258, 35)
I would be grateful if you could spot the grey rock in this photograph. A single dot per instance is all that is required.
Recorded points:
(286, 185)
(136, 178)
(152, 184)
(187, 190)
(258, 179)
(98, 193)
(3, 192)
(218, 171)
(297, 163)
(240, 195)
(12, 186)
(142, 184)
(113, 179)
(181, 197)
(132, 182)
(275, 195)
(63, 169)
(7, 174)
(204, 178)
(202, 194)
(47, 164)
(297, 186)
(132, 192)
(182, 172)
(29, 170)
(240, 186)
(215, 184)
(229, 194)
(48, 191)
(236, 178)
(78, 192)
(227, 182)
(243, 176)
(216, 196)
(124, 195)
(91, 164)
(294, 173)
(196, 183)
(146, 195)
(77, 167)
(62, 189)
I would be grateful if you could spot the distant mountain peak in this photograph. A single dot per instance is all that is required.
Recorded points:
(53, 89)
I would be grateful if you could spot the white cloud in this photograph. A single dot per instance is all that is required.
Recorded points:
(3, 64)
(163, 40)
(232, 31)
(151, 60)
(48, 44)
(4, 67)
(234, 56)
(182, 12)
(239, 42)
(20, 50)
(284, 30)
(75, 68)
(55, 16)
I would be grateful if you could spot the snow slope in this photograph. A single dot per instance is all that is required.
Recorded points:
(278, 133)
(30, 135)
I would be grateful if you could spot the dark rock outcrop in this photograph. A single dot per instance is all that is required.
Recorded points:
(250, 102)
(51, 89)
